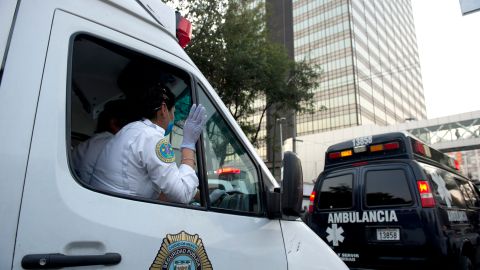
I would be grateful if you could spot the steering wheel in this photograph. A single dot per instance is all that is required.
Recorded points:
(234, 191)
(217, 199)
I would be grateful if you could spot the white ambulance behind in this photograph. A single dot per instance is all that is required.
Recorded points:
(61, 61)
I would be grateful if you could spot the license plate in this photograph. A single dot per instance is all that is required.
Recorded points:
(388, 234)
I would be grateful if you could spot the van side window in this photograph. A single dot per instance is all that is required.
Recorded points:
(107, 83)
(446, 191)
(387, 187)
(471, 198)
(233, 181)
(336, 192)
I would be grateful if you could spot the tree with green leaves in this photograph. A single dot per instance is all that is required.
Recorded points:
(230, 46)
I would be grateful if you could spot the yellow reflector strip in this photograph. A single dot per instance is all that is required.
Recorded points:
(346, 153)
(376, 148)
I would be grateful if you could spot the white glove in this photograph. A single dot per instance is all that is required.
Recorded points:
(193, 126)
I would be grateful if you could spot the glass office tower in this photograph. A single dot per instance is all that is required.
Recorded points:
(368, 53)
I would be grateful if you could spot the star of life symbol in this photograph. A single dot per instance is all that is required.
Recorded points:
(335, 234)
(442, 189)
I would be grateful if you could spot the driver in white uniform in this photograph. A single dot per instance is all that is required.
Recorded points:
(140, 161)
(84, 157)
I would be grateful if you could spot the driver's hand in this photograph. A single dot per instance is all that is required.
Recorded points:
(193, 126)
(197, 196)
(216, 194)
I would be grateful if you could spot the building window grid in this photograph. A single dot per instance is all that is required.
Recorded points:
(382, 57)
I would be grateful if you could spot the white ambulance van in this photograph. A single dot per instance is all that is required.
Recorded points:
(61, 61)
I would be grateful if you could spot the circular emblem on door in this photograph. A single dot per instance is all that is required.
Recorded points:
(182, 251)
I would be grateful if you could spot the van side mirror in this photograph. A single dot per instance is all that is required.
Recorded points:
(292, 185)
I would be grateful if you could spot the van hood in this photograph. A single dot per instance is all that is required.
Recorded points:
(305, 250)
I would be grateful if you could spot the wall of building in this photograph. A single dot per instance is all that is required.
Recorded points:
(368, 54)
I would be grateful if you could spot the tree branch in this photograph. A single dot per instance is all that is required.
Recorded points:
(255, 137)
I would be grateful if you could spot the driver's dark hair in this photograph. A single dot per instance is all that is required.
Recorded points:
(118, 110)
(151, 100)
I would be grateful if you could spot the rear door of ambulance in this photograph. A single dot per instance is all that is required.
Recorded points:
(336, 200)
(66, 223)
(391, 218)
(368, 213)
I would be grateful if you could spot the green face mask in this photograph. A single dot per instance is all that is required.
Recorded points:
(169, 128)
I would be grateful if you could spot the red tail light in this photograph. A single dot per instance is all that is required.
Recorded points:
(358, 164)
(312, 199)
(425, 194)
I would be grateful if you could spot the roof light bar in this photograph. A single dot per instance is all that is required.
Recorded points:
(341, 154)
(334, 155)
(392, 146)
(360, 149)
(389, 146)
(376, 148)
(422, 149)
(385, 147)
(184, 31)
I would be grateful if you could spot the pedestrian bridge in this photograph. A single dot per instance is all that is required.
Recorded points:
(448, 134)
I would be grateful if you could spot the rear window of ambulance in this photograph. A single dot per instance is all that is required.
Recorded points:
(387, 187)
(336, 192)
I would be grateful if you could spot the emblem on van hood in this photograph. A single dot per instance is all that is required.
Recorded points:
(182, 251)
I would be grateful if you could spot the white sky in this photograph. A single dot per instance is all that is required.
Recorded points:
(449, 49)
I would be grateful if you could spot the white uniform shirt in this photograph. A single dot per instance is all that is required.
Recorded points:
(85, 155)
(139, 161)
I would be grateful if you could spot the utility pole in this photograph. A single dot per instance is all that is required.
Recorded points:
(280, 25)
(281, 135)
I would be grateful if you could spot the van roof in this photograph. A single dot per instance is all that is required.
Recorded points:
(375, 139)
(154, 11)
(394, 145)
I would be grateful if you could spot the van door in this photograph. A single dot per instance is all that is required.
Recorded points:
(389, 217)
(65, 222)
(457, 207)
(21, 66)
(336, 202)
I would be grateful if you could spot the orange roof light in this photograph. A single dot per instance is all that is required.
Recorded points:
(376, 148)
(346, 153)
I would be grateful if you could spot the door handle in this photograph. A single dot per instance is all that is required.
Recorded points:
(58, 260)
